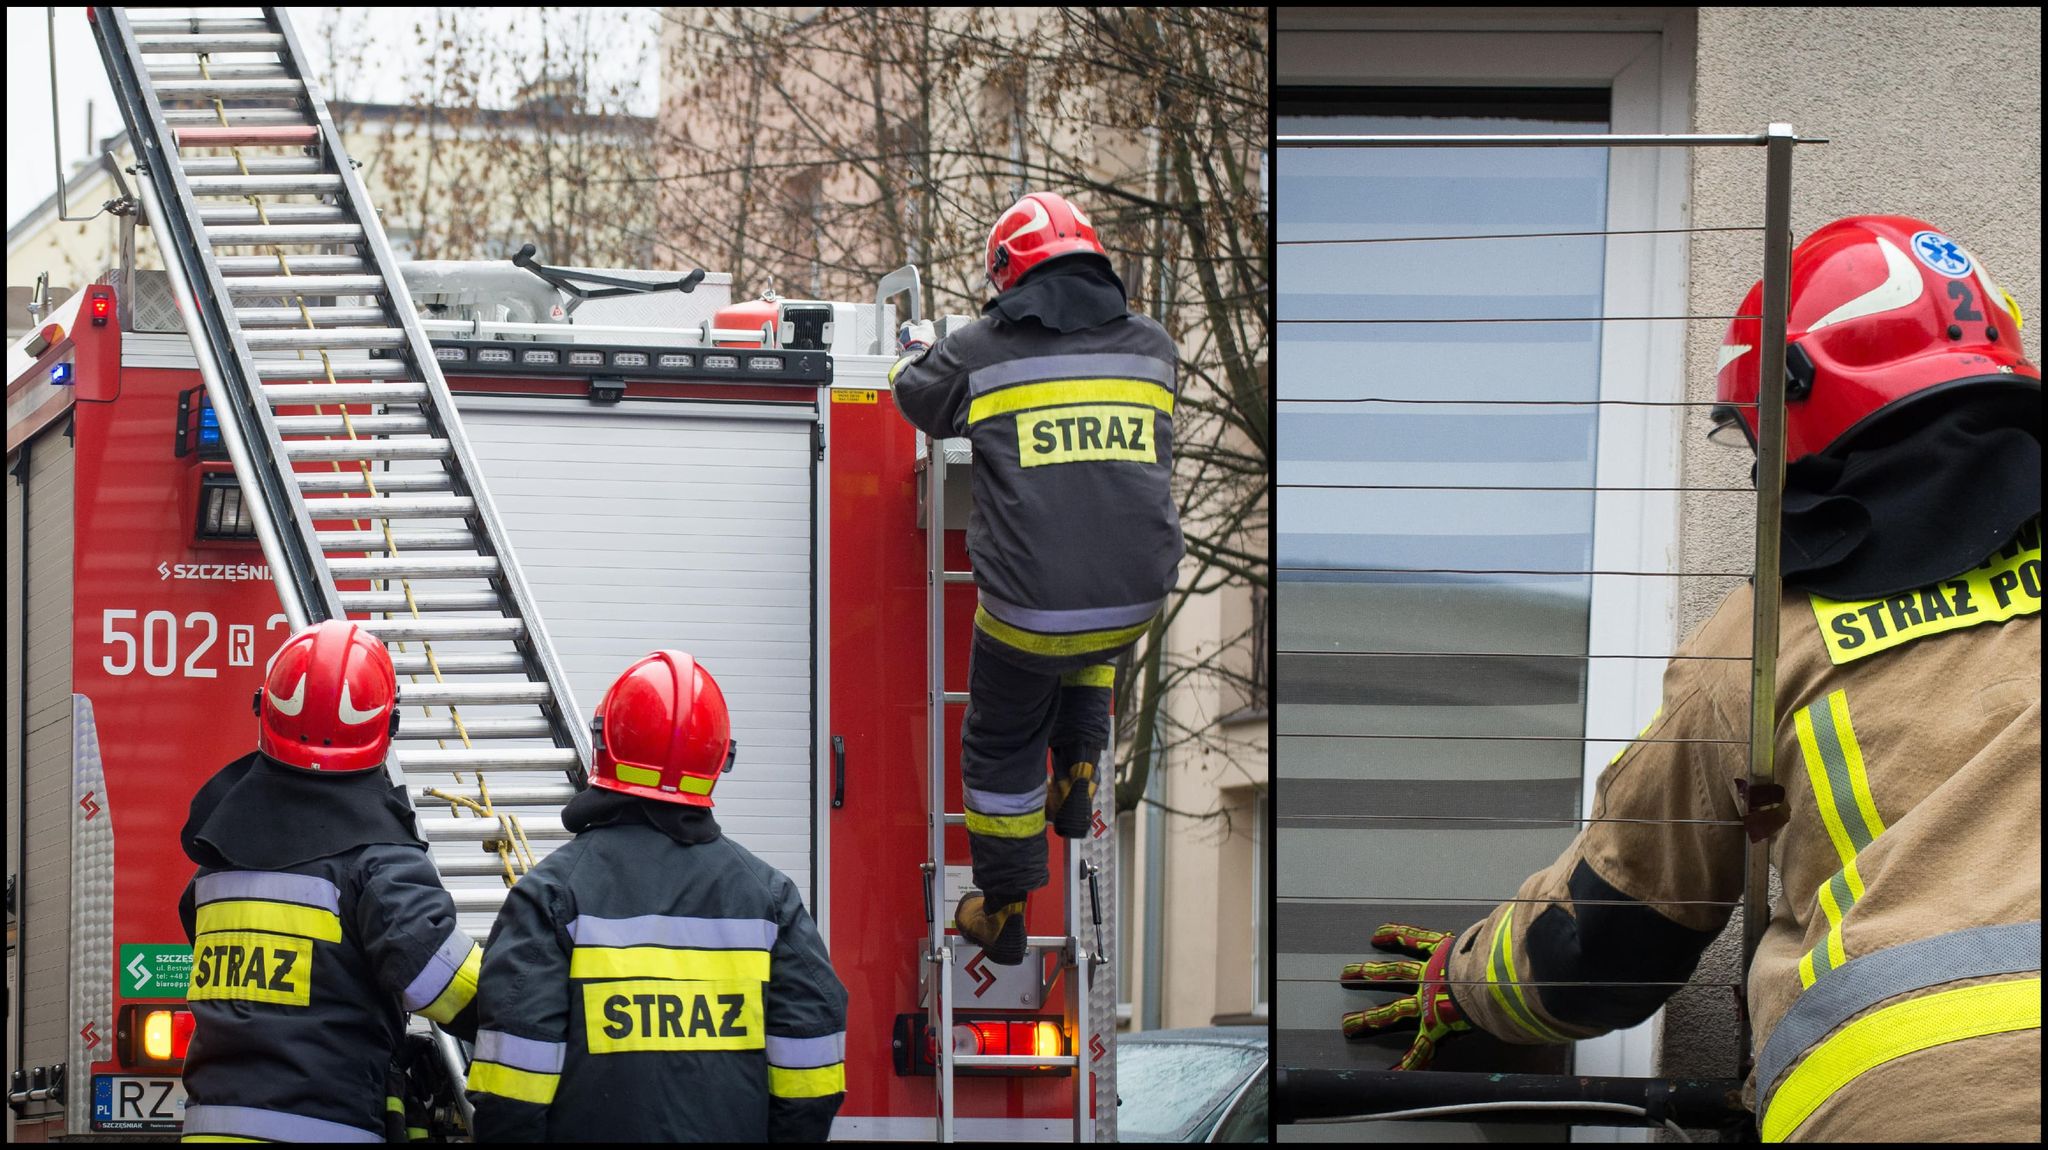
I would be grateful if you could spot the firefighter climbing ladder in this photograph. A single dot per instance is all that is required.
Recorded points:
(341, 361)
(1079, 946)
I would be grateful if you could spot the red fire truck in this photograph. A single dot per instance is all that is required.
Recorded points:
(766, 518)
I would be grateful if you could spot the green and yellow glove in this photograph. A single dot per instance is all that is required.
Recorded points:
(1428, 1002)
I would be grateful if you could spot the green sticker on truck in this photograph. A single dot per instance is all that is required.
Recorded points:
(151, 971)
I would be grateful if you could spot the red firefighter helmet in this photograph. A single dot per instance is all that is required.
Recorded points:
(329, 701)
(1042, 226)
(662, 732)
(1886, 312)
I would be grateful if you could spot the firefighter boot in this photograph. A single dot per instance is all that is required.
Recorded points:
(1000, 932)
(1071, 801)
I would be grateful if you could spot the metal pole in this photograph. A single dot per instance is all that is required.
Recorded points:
(1770, 486)
(1536, 141)
(941, 955)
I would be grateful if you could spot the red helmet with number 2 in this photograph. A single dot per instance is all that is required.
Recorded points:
(1042, 226)
(662, 732)
(329, 700)
(1886, 311)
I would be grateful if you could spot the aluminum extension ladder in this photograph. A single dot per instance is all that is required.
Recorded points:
(369, 374)
(1078, 954)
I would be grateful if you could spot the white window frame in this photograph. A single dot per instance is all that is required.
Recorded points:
(1644, 57)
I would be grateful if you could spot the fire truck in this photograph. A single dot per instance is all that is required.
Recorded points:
(523, 477)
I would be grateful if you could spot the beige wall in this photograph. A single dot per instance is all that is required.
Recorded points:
(1932, 112)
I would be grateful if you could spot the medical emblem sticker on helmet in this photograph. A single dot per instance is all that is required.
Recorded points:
(329, 701)
(663, 732)
(1941, 253)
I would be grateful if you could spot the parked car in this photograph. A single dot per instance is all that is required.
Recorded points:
(1198, 1085)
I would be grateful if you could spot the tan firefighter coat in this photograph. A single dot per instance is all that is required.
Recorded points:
(1896, 993)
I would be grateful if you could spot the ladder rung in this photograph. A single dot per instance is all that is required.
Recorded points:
(363, 422)
(442, 630)
(504, 663)
(230, 214)
(955, 820)
(347, 369)
(415, 567)
(212, 42)
(954, 696)
(433, 539)
(322, 317)
(529, 795)
(294, 394)
(1006, 1061)
(326, 337)
(502, 759)
(305, 285)
(387, 481)
(221, 71)
(286, 234)
(297, 264)
(392, 507)
(198, 26)
(443, 601)
(416, 726)
(487, 900)
(227, 88)
(345, 449)
(311, 184)
(959, 576)
(471, 694)
(472, 863)
(245, 135)
(475, 828)
(238, 117)
(1048, 941)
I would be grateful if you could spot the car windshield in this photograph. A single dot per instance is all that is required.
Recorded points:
(1166, 1089)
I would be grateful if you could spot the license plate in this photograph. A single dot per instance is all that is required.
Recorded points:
(120, 1102)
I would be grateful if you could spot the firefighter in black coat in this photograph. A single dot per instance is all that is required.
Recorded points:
(316, 917)
(1068, 399)
(652, 981)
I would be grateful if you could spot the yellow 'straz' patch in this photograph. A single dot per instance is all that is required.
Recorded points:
(252, 967)
(1083, 433)
(2002, 587)
(661, 1014)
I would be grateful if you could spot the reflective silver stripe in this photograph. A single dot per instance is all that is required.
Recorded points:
(440, 969)
(998, 803)
(523, 1053)
(1045, 368)
(1869, 979)
(1081, 619)
(806, 1053)
(674, 930)
(305, 889)
(276, 1125)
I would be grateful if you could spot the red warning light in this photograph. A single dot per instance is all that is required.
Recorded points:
(101, 305)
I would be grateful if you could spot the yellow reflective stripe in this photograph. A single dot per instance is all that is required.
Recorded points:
(1859, 781)
(1071, 643)
(1806, 975)
(1028, 395)
(1823, 791)
(459, 990)
(628, 773)
(416, 1134)
(269, 917)
(816, 1082)
(511, 1082)
(1893, 1032)
(393, 1104)
(1100, 675)
(1654, 716)
(898, 366)
(669, 962)
(1007, 826)
(1501, 957)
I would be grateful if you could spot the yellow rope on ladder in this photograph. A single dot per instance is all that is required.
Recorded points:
(514, 853)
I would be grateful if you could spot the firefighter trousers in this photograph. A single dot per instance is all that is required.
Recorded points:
(1019, 704)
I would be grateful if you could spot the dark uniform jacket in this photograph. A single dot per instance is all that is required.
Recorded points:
(1074, 534)
(317, 921)
(652, 981)
(1896, 993)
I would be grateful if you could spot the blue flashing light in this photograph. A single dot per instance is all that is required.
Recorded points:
(60, 374)
(209, 426)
